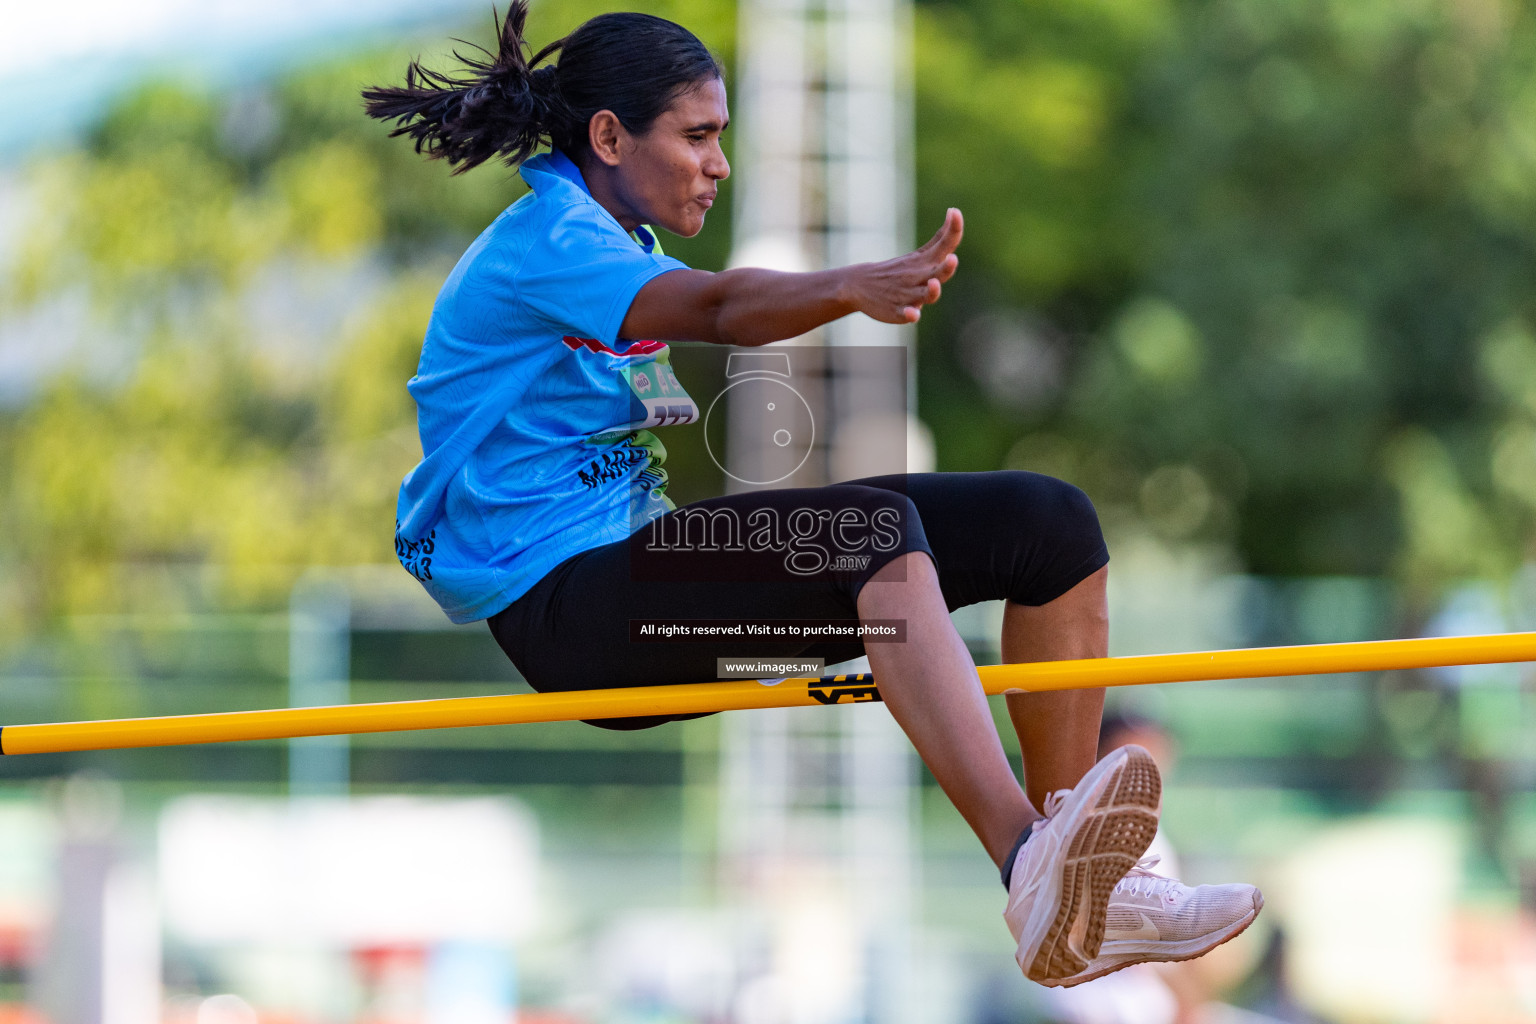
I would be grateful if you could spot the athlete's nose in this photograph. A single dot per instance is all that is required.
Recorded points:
(719, 168)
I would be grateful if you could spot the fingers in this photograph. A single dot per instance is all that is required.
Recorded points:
(938, 237)
(947, 239)
(925, 294)
(913, 313)
(917, 279)
(941, 248)
(948, 266)
(953, 230)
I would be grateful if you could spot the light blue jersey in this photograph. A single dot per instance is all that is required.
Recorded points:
(532, 412)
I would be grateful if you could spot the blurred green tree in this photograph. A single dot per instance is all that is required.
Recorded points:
(1283, 253)
(205, 446)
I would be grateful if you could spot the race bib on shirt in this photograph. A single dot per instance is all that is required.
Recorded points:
(660, 394)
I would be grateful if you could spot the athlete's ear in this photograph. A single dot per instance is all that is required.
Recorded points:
(605, 134)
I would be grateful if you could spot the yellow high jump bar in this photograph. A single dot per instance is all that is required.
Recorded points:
(738, 695)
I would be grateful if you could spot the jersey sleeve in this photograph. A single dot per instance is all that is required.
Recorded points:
(583, 272)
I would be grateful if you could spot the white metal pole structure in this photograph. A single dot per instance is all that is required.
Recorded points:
(868, 188)
(319, 673)
(869, 201)
(773, 159)
(817, 810)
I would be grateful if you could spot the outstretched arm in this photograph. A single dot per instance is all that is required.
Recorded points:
(749, 306)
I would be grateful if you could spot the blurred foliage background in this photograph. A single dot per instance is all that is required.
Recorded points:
(1257, 276)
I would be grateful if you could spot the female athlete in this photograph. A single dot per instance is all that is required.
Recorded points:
(540, 503)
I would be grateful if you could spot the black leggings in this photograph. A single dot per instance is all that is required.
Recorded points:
(801, 554)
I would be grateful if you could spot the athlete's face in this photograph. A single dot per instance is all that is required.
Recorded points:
(669, 176)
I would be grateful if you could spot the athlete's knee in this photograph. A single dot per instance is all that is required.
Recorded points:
(1051, 508)
(1048, 534)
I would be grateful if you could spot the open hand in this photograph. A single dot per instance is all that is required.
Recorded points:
(896, 291)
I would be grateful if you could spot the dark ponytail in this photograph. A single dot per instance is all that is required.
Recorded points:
(506, 105)
(498, 106)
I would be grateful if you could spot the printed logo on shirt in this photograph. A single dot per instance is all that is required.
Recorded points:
(636, 455)
(416, 555)
(614, 464)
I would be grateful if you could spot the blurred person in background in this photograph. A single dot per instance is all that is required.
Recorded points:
(1172, 992)
(540, 504)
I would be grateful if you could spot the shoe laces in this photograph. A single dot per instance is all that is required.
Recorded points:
(1053, 802)
(1142, 881)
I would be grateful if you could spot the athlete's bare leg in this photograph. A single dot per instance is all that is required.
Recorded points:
(930, 685)
(1058, 732)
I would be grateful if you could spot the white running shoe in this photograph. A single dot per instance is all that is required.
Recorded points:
(1152, 919)
(1063, 875)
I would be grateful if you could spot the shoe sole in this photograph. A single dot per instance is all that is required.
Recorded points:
(1107, 842)
(1131, 959)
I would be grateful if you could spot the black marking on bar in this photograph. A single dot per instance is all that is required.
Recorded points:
(854, 688)
(2, 739)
